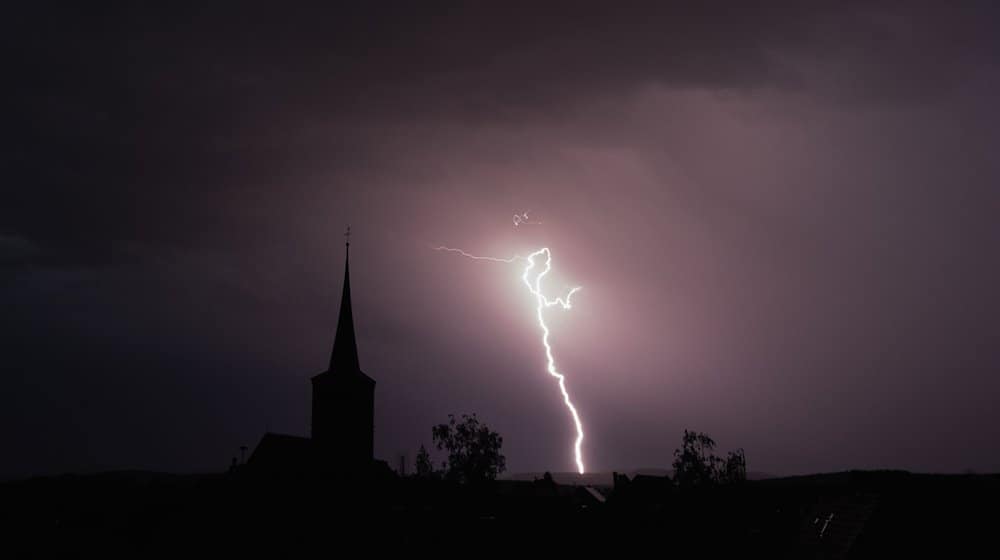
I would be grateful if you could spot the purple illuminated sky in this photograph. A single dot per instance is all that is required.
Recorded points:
(784, 220)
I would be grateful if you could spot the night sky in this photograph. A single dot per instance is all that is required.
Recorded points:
(784, 219)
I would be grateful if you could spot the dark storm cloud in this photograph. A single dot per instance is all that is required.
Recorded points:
(784, 201)
(135, 123)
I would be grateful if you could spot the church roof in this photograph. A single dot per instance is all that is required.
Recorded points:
(282, 453)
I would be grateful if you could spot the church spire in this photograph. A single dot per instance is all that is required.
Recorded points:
(345, 347)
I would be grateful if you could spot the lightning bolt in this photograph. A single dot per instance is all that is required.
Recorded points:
(542, 303)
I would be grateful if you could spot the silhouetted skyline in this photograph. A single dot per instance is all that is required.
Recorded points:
(784, 218)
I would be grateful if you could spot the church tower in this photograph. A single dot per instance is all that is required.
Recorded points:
(343, 404)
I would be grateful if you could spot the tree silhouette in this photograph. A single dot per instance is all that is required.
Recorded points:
(696, 466)
(694, 463)
(424, 466)
(735, 469)
(473, 449)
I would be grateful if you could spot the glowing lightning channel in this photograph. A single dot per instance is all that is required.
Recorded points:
(467, 255)
(542, 303)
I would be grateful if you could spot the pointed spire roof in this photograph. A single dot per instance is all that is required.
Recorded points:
(345, 346)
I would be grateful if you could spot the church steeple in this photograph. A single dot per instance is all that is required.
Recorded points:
(343, 403)
(345, 347)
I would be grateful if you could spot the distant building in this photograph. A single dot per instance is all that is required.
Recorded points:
(642, 490)
(547, 493)
(343, 412)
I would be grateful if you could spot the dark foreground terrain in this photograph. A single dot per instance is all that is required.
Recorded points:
(857, 514)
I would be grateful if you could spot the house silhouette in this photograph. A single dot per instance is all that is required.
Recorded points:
(343, 414)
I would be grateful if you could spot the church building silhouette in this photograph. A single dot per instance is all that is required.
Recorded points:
(343, 413)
